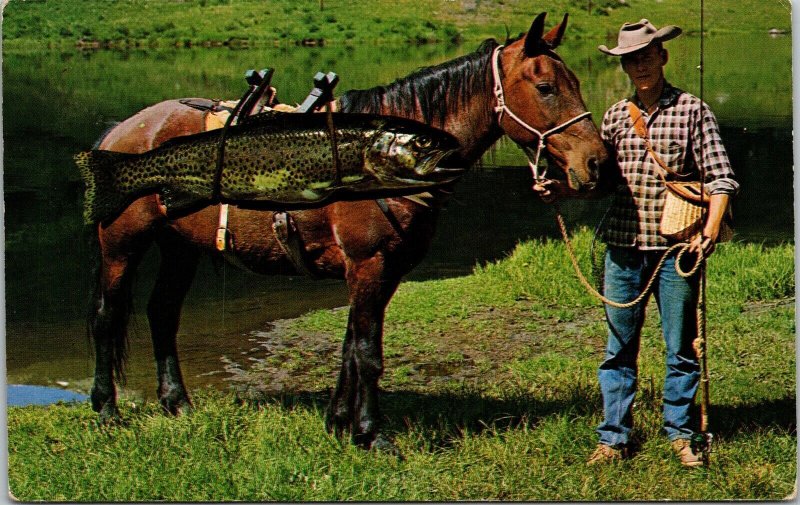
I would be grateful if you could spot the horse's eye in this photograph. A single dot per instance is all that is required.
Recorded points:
(545, 89)
(423, 141)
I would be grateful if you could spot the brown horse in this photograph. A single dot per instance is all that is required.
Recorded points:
(519, 90)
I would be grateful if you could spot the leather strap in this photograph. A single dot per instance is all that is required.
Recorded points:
(684, 190)
(225, 242)
(223, 237)
(289, 240)
(205, 104)
(640, 127)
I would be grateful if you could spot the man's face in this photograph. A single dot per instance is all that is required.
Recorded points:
(645, 66)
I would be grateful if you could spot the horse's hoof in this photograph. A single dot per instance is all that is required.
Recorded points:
(109, 415)
(177, 407)
(384, 445)
(106, 407)
(337, 425)
(101, 400)
(184, 409)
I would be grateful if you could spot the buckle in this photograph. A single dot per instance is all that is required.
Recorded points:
(222, 239)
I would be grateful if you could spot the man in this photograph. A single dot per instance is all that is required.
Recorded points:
(684, 134)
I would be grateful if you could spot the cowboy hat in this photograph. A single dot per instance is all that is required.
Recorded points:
(635, 36)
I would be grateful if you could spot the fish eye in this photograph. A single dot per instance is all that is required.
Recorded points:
(423, 141)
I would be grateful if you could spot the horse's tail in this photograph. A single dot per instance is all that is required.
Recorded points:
(102, 198)
(100, 321)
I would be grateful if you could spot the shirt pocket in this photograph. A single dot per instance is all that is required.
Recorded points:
(672, 153)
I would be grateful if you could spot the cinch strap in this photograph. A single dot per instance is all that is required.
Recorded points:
(222, 228)
(501, 108)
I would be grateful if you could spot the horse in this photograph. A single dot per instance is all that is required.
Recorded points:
(520, 89)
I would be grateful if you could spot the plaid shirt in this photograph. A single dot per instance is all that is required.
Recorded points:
(676, 129)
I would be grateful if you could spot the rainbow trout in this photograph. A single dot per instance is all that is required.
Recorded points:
(273, 161)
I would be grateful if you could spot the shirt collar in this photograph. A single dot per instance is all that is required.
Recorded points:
(668, 97)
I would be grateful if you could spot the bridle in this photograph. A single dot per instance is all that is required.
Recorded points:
(501, 108)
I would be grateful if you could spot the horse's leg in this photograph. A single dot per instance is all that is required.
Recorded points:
(340, 410)
(176, 272)
(108, 325)
(354, 403)
(108, 320)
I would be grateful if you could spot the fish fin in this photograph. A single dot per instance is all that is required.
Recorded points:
(418, 199)
(183, 199)
(102, 198)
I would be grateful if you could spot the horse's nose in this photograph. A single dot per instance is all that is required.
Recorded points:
(593, 166)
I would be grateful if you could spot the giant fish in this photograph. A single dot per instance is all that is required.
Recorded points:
(274, 161)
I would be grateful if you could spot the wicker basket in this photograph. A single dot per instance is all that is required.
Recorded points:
(682, 218)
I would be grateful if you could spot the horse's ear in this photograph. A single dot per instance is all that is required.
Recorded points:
(533, 39)
(554, 36)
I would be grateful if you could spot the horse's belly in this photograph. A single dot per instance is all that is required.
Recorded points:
(252, 243)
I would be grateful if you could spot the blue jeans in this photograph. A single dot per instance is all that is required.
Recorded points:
(627, 271)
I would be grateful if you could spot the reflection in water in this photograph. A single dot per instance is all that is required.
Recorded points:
(58, 104)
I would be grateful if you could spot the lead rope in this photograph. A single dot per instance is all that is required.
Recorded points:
(681, 248)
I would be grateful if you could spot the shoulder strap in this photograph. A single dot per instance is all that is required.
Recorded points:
(682, 189)
(640, 127)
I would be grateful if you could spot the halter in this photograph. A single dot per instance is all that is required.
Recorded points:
(501, 108)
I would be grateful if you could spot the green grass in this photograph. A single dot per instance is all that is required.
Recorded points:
(519, 426)
(149, 23)
(228, 450)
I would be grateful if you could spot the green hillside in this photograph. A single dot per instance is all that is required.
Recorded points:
(159, 23)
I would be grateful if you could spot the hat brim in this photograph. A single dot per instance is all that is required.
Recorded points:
(664, 34)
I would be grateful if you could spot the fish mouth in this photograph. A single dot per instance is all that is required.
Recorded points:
(427, 166)
(448, 173)
(435, 177)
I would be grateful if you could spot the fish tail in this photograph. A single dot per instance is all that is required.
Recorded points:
(102, 198)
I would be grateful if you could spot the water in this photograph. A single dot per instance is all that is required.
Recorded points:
(56, 104)
(21, 395)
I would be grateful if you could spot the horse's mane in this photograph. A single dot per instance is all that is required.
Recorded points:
(437, 90)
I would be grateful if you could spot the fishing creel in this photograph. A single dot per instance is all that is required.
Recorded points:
(684, 208)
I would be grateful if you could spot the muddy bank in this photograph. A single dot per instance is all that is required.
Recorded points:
(293, 360)
(287, 360)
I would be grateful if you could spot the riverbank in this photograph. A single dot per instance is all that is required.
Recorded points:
(94, 24)
(490, 393)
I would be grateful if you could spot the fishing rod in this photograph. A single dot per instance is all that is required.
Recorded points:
(701, 442)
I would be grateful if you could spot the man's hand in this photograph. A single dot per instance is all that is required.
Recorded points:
(704, 243)
(708, 239)
(550, 190)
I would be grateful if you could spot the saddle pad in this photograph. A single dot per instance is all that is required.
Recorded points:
(217, 118)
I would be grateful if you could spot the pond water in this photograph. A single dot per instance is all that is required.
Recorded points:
(58, 103)
(21, 395)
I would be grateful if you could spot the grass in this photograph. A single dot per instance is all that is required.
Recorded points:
(512, 419)
(160, 23)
